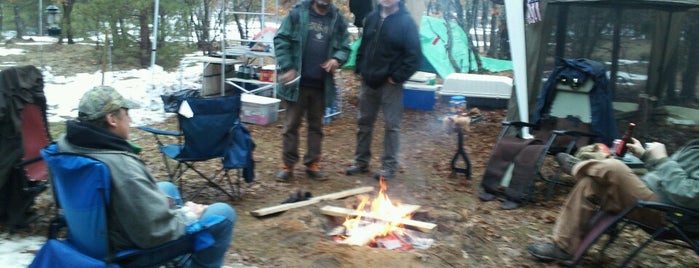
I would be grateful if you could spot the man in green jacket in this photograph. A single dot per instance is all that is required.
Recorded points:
(609, 185)
(311, 43)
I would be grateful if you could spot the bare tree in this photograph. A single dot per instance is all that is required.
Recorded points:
(67, 22)
(19, 24)
(688, 91)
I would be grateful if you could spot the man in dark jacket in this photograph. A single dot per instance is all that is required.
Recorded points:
(388, 55)
(143, 213)
(311, 43)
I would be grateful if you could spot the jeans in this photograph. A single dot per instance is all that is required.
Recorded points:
(388, 98)
(311, 103)
(222, 232)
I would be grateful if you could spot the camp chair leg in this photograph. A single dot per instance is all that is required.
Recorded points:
(234, 193)
(643, 245)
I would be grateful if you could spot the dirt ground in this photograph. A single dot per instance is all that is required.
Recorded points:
(469, 233)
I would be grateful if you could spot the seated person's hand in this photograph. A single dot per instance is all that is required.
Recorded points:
(636, 148)
(195, 208)
(655, 150)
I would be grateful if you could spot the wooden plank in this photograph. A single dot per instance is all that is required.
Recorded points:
(313, 200)
(335, 211)
(425, 227)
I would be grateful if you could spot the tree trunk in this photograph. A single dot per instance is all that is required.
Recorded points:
(18, 23)
(145, 43)
(66, 22)
(416, 9)
(688, 92)
(494, 17)
(466, 25)
(484, 21)
(2, 17)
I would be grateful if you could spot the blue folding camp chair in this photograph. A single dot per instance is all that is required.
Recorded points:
(212, 130)
(81, 188)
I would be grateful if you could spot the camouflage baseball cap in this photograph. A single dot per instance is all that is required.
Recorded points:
(100, 101)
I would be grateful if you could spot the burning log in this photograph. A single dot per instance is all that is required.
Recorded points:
(343, 212)
(380, 222)
(284, 207)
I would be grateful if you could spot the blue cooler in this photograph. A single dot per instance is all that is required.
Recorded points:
(419, 96)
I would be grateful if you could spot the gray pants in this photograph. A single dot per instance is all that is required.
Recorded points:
(311, 103)
(389, 99)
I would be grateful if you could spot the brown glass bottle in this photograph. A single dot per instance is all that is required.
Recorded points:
(626, 139)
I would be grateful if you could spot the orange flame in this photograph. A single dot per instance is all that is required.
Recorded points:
(361, 231)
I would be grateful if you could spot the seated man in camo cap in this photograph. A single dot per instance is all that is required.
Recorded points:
(143, 213)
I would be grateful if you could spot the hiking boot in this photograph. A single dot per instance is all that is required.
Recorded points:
(285, 174)
(314, 172)
(510, 205)
(566, 162)
(549, 252)
(485, 196)
(356, 169)
(385, 173)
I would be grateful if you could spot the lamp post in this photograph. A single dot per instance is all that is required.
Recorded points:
(52, 20)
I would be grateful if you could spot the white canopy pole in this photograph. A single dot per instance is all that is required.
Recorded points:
(515, 30)
(155, 39)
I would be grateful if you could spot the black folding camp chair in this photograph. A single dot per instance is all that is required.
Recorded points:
(211, 129)
(574, 109)
(681, 228)
(23, 173)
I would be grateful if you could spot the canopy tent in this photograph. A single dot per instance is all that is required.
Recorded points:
(537, 44)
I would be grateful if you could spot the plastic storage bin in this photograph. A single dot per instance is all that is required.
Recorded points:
(480, 90)
(259, 110)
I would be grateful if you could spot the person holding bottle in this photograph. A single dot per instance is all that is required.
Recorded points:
(609, 185)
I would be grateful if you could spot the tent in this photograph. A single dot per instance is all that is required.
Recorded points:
(433, 41)
(533, 40)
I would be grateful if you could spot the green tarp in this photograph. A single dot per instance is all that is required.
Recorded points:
(433, 39)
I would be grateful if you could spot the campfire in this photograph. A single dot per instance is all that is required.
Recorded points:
(381, 223)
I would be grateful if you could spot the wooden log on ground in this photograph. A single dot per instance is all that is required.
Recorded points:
(425, 227)
(284, 207)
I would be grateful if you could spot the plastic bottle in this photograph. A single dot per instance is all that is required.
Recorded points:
(621, 148)
(457, 105)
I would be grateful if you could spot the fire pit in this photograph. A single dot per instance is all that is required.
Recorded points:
(381, 223)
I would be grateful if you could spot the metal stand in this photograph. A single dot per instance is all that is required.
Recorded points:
(461, 153)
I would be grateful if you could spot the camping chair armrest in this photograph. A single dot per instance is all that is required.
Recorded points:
(667, 208)
(574, 133)
(159, 131)
(518, 124)
(30, 161)
(571, 145)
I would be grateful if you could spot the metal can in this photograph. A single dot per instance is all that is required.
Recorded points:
(457, 105)
(615, 145)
